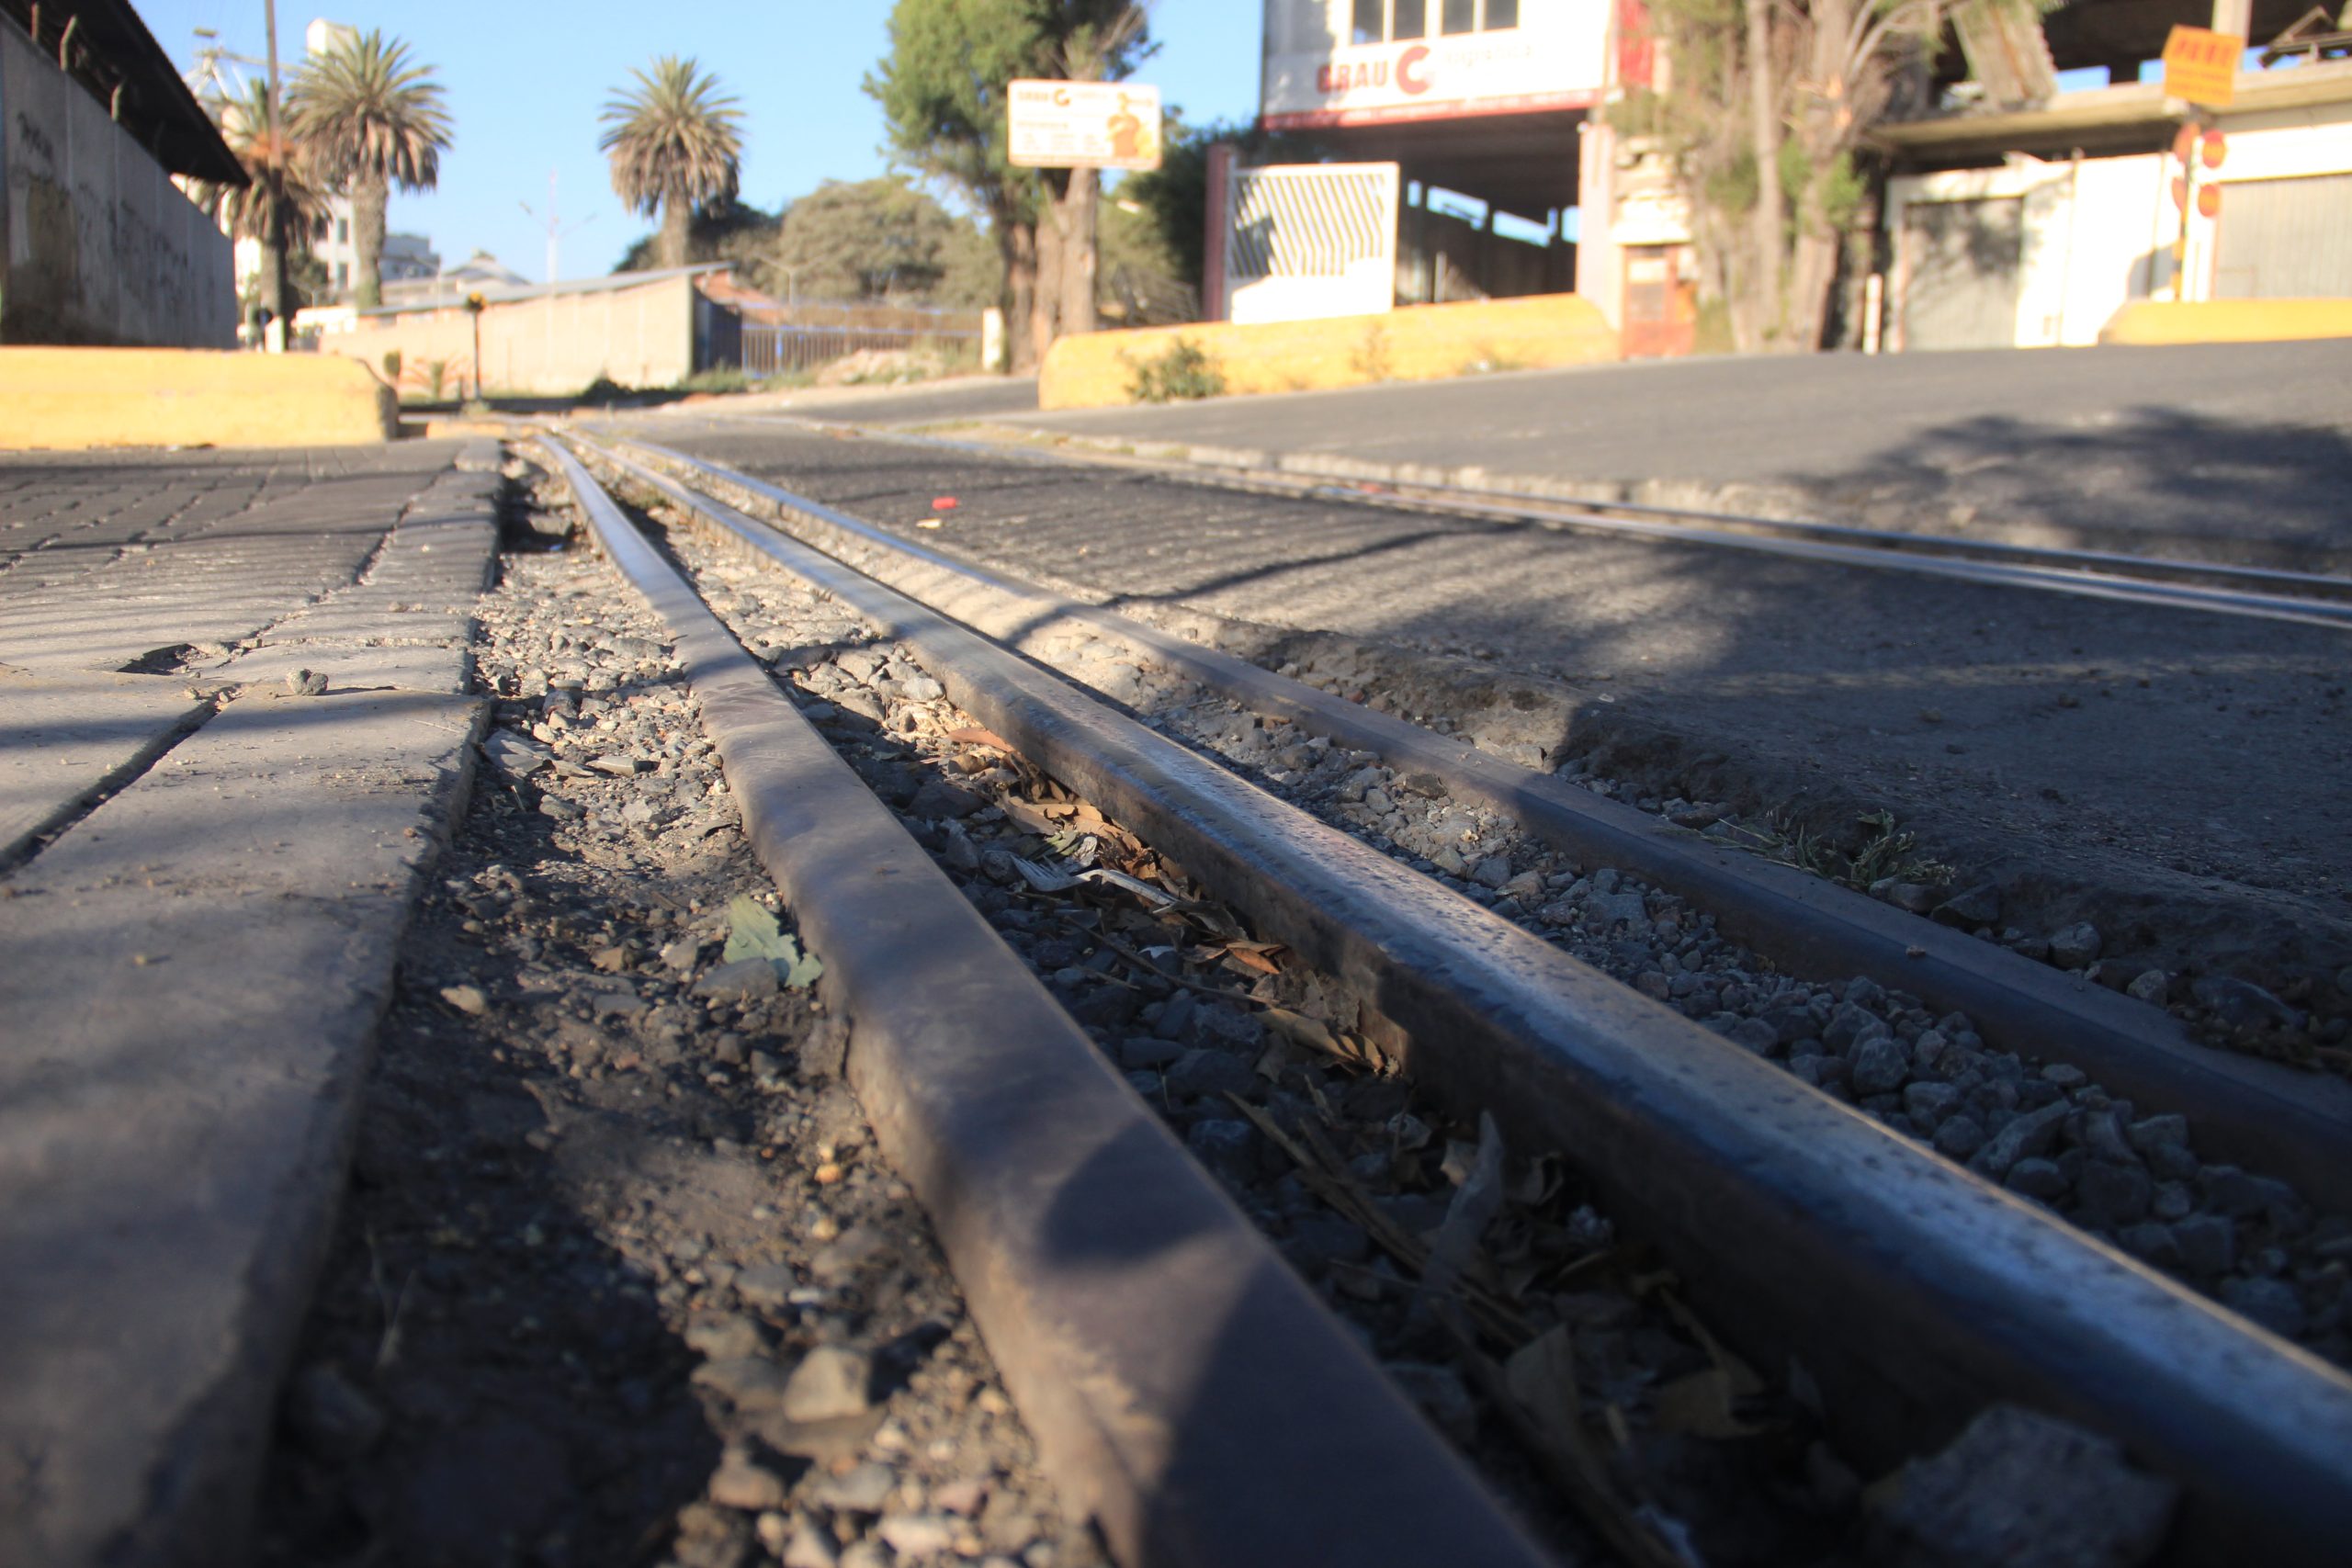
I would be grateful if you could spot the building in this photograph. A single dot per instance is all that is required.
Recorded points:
(98, 245)
(635, 329)
(1480, 105)
(2021, 215)
(2028, 199)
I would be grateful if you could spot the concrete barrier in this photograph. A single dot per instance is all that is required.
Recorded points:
(1424, 342)
(2227, 320)
(73, 399)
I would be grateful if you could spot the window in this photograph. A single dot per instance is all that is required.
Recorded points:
(343, 231)
(1379, 21)
(343, 275)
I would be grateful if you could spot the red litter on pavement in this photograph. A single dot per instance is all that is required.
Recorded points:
(942, 503)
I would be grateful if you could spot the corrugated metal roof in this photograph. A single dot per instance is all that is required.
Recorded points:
(111, 48)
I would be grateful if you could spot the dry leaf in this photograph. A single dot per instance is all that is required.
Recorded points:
(1702, 1405)
(973, 735)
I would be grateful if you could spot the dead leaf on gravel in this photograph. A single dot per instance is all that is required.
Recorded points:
(1257, 955)
(973, 735)
(752, 932)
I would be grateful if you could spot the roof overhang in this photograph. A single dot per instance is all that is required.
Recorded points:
(2106, 115)
(1520, 158)
(112, 51)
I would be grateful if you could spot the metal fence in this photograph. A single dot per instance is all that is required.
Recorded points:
(803, 337)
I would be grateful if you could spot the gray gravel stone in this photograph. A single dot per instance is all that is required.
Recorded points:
(746, 979)
(2112, 1194)
(1203, 1071)
(2037, 1178)
(2025, 1136)
(1881, 1063)
(2208, 1243)
(2075, 946)
(1228, 1148)
(2270, 1303)
(2151, 986)
(1977, 906)
(1957, 1137)
(2240, 1004)
(862, 1491)
(2027, 1491)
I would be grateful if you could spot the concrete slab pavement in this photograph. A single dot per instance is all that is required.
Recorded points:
(196, 966)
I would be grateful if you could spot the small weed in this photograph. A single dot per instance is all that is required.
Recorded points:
(718, 378)
(1885, 852)
(1370, 358)
(1185, 371)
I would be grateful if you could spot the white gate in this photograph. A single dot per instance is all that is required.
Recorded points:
(1305, 240)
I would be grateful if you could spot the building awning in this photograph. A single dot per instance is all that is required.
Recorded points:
(111, 50)
(1521, 161)
(2104, 118)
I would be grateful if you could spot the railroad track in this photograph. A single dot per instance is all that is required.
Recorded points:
(2212, 587)
(1912, 1293)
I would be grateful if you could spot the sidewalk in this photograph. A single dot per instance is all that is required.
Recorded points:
(234, 721)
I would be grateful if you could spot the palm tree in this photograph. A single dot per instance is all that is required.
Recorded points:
(252, 211)
(370, 120)
(674, 144)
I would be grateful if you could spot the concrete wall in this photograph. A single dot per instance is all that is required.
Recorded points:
(97, 244)
(1421, 343)
(642, 336)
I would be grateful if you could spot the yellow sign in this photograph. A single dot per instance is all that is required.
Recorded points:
(2202, 65)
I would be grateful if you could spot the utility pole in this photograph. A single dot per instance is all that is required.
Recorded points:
(553, 224)
(273, 335)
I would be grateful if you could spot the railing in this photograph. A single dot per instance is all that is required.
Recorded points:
(813, 335)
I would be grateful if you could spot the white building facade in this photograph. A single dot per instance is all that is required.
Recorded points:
(1495, 101)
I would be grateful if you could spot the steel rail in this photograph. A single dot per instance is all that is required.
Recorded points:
(2264, 1114)
(1913, 1292)
(1913, 555)
(1186, 1390)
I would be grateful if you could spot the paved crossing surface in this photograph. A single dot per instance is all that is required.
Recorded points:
(205, 869)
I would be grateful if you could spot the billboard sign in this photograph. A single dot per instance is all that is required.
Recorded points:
(1084, 125)
(2202, 65)
(1554, 57)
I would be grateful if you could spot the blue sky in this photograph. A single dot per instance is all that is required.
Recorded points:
(525, 86)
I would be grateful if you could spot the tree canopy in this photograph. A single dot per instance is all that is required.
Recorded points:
(370, 119)
(675, 143)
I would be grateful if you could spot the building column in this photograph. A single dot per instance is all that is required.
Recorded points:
(1599, 262)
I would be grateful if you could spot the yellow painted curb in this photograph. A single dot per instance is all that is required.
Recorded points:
(73, 399)
(1420, 342)
(2227, 320)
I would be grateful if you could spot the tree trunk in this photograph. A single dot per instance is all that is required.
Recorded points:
(676, 214)
(274, 289)
(1020, 250)
(1044, 305)
(368, 193)
(1766, 222)
(1074, 216)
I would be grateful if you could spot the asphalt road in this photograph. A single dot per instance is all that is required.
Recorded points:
(2177, 745)
(2236, 451)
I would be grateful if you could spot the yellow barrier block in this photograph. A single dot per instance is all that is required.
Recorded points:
(1419, 343)
(2227, 320)
(73, 399)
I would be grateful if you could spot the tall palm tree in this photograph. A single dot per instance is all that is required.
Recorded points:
(674, 144)
(370, 120)
(252, 211)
